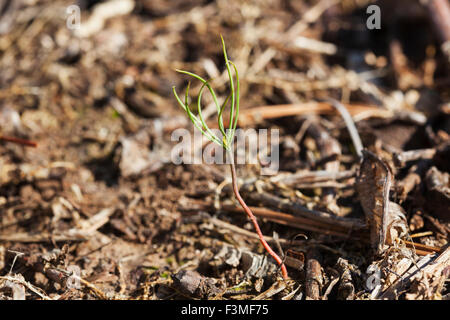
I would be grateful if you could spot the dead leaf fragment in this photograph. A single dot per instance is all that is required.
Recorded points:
(386, 219)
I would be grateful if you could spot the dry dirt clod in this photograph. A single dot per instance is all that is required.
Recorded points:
(192, 284)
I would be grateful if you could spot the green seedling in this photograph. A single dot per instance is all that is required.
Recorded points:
(226, 141)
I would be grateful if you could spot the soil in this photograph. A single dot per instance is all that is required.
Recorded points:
(97, 210)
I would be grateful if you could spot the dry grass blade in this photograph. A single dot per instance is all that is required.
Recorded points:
(426, 275)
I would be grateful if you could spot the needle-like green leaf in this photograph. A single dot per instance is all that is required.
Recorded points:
(194, 119)
(199, 99)
(200, 122)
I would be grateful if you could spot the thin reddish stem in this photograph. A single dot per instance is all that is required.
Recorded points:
(255, 222)
(19, 141)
